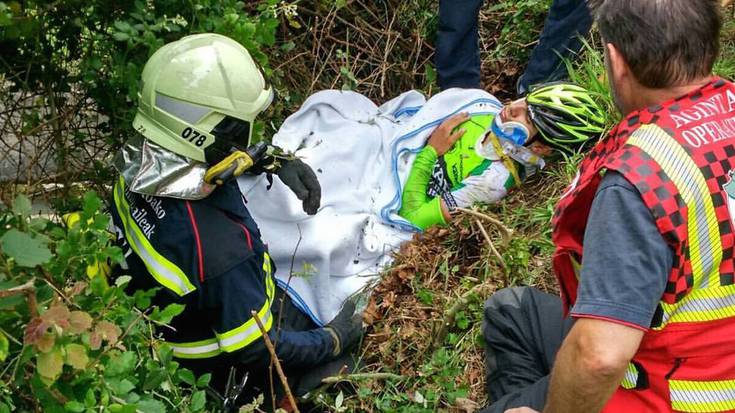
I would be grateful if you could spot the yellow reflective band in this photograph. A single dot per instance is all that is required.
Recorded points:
(576, 266)
(702, 396)
(703, 304)
(704, 234)
(237, 338)
(164, 271)
(630, 380)
(197, 349)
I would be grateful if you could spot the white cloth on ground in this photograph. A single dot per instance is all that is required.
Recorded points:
(362, 155)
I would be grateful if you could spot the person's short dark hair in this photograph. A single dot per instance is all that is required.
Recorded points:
(664, 42)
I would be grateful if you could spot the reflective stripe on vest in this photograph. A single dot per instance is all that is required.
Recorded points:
(704, 235)
(630, 380)
(238, 337)
(702, 396)
(164, 271)
(707, 300)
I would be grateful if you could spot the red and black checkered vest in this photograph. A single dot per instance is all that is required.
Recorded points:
(680, 156)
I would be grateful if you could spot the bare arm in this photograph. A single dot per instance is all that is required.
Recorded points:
(590, 365)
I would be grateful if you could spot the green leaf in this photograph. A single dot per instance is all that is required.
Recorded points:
(74, 406)
(120, 387)
(186, 376)
(122, 26)
(24, 249)
(120, 365)
(197, 401)
(79, 322)
(151, 406)
(167, 314)
(49, 366)
(22, 206)
(4, 346)
(92, 203)
(203, 380)
(76, 356)
(120, 36)
(122, 280)
(154, 378)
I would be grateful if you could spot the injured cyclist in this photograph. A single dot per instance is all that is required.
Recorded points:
(478, 159)
(381, 182)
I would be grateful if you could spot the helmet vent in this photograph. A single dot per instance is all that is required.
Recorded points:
(188, 112)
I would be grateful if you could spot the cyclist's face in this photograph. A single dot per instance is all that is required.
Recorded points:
(517, 111)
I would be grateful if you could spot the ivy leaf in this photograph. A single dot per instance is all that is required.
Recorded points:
(79, 322)
(49, 366)
(4, 347)
(197, 401)
(22, 206)
(76, 356)
(24, 249)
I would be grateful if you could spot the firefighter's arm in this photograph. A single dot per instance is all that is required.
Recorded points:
(590, 365)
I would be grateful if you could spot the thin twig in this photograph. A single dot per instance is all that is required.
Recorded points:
(275, 360)
(30, 292)
(505, 232)
(460, 304)
(361, 377)
(490, 244)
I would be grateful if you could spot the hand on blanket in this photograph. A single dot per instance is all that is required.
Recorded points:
(346, 328)
(489, 187)
(301, 179)
(444, 136)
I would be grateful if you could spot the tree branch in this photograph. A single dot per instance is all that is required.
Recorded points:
(275, 360)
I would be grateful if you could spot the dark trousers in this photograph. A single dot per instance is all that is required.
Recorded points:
(523, 329)
(457, 56)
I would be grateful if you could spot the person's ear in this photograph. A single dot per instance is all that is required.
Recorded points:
(619, 70)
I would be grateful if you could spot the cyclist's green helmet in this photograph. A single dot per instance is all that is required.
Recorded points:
(565, 114)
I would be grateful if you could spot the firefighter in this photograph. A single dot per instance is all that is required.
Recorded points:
(185, 227)
(644, 236)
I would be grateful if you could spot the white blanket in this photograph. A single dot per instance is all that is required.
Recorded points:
(362, 155)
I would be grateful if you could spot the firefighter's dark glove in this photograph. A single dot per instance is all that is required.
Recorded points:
(301, 179)
(346, 328)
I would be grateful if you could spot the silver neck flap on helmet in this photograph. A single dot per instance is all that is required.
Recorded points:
(149, 169)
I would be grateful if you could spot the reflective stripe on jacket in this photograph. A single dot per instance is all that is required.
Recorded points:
(680, 155)
(206, 255)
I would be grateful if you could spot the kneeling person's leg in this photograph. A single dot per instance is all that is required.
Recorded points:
(523, 329)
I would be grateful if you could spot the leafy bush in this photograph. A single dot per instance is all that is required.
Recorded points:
(76, 64)
(69, 342)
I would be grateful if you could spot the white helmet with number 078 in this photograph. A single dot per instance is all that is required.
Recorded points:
(199, 97)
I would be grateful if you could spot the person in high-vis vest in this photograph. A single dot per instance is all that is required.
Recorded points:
(185, 227)
(468, 160)
(644, 236)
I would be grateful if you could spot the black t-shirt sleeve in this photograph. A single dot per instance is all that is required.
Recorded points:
(626, 261)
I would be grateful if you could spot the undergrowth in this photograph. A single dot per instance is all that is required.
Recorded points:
(444, 267)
